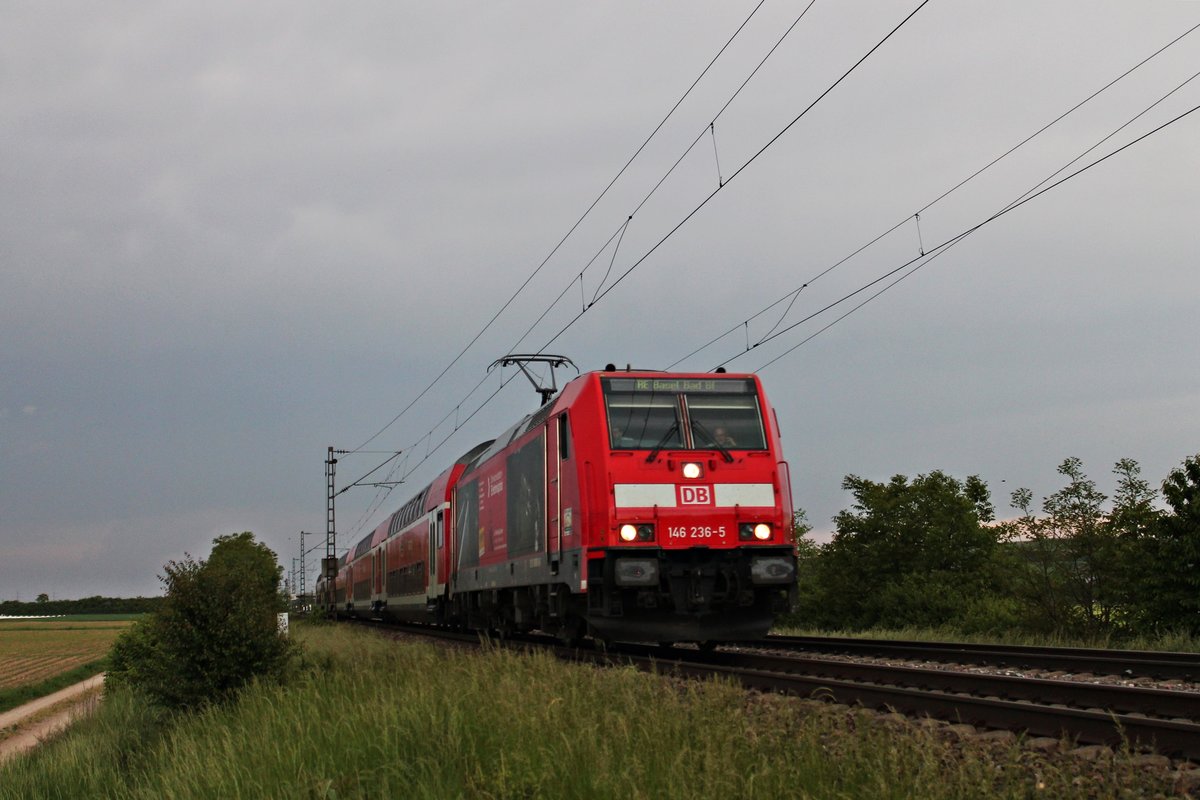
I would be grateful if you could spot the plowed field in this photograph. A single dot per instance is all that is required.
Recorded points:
(32, 651)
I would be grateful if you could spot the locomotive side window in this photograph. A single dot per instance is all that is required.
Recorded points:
(564, 437)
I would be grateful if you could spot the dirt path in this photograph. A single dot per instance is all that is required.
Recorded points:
(32, 725)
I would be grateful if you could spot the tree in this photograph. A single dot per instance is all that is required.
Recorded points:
(800, 528)
(43, 598)
(1038, 577)
(1132, 522)
(1080, 568)
(1133, 515)
(86, 605)
(808, 558)
(906, 553)
(216, 630)
(1170, 586)
(1092, 560)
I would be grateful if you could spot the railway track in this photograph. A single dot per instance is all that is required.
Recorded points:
(1127, 663)
(1167, 721)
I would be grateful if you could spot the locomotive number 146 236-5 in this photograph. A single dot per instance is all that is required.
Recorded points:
(696, 531)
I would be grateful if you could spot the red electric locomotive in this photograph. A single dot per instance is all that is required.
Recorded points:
(634, 506)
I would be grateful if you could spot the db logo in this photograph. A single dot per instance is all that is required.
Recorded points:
(695, 496)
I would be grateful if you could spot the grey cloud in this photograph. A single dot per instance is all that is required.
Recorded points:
(233, 236)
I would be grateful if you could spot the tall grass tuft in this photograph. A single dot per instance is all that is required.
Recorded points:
(375, 718)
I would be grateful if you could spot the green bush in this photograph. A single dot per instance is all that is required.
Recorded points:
(918, 599)
(991, 614)
(216, 630)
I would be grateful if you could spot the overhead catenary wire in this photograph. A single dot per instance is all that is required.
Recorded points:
(704, 202)
(620, 232)
(459, 423)
(385, 489)
(556, 248)
(604, 192)
(1057, 119)
(1025, 197)
(429, 454)
(933, 253)
(794, 294)
(670, 233)
(929, 255)
(706, 130)
(997, 159)
(359, 482)
(920, 262)
(432, 449)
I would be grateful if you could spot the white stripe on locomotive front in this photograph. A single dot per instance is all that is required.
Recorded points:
(725, 495)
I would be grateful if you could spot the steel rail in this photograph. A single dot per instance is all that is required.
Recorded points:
(1109, 715)
(1088, 725)
(1131, 663)
(1164, 703)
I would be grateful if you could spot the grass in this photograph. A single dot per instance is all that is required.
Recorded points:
(367, 717)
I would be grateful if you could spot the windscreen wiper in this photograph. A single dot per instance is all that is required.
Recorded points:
(698, 427)
(671, 431)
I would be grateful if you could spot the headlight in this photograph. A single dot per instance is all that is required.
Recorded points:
(640, 533)
(749, 531)
(692, 470)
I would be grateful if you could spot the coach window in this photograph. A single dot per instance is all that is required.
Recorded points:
(564, 437)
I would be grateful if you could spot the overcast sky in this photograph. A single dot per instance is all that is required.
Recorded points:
(232, 235)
